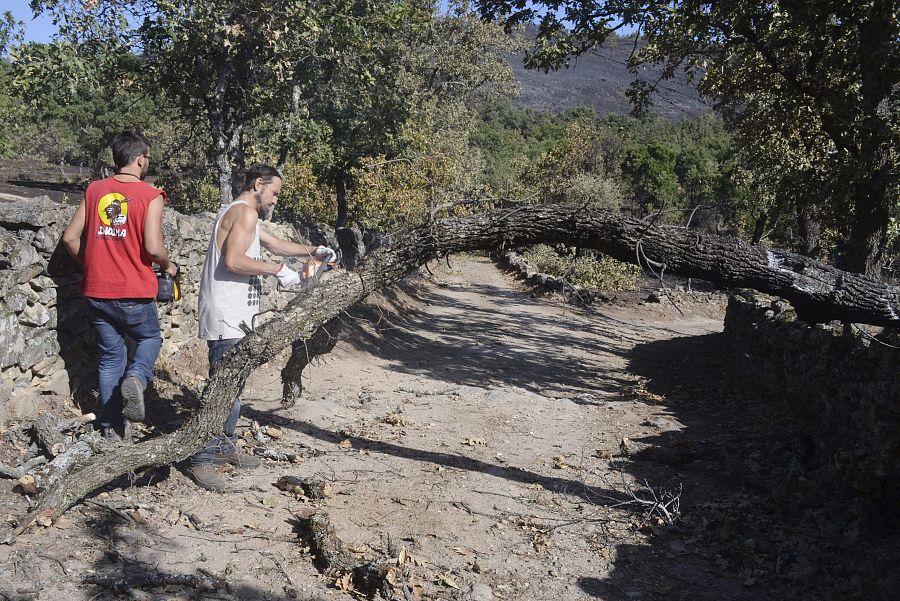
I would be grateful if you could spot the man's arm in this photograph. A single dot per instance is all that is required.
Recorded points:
(153, 240)
(284, 248)
(72, 235)
(237, 240)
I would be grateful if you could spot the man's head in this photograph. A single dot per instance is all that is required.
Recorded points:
(131, 148)
(263, 183)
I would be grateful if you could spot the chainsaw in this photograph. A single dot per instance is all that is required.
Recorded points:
(312, 270)
(168, 289)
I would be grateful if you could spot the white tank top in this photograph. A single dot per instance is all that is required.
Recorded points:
(227, 299)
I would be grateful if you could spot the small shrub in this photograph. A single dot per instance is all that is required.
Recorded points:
(589, 271)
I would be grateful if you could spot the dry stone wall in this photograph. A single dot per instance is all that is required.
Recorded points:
(839, 388)
(47, 348)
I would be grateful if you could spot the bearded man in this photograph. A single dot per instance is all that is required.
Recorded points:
(230, 290)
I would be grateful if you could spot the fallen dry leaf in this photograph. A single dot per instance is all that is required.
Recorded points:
(63, 523)
(395, 419)
(447, 580)
(135, 514)
(345, 582)
(345, 444)
(474, 442)
(559, 462)
(28, 484)
(44, 518)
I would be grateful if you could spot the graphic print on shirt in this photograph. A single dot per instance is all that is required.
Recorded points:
(113, 210)
(254, 289)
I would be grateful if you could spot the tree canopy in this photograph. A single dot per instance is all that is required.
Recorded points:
(812, 88)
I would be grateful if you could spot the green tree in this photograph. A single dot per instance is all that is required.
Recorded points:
(10, 32)
(815, 79)
(651, 169)
(76, 99)
(347, 80)
(356, 83)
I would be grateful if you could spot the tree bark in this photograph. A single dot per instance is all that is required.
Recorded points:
(321, 342)
(760, 228)
(818, 291)
(228, 155)
(868, 232)
(874, 181)
(808, 230)
(340, 190)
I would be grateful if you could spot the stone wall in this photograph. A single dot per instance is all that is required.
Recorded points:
(838, 387)
(47, 348)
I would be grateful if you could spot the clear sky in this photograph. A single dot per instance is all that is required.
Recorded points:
(36, 30)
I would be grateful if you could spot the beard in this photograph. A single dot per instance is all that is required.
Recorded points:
(144, 170)
(265, 213)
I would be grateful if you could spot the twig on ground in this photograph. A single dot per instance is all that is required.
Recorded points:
(109, 507)
(14, 473)
(122, 584)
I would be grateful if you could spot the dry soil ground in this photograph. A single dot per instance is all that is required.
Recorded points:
(495, 437)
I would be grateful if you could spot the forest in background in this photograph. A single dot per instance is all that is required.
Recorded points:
(385, 114)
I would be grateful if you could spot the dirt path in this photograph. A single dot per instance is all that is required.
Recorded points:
(484, 429)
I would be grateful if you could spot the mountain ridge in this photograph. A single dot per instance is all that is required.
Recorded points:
(598, 79)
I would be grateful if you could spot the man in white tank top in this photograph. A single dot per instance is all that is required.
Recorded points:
(230, 289)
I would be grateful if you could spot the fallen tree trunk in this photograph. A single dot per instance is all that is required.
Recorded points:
(818, 291)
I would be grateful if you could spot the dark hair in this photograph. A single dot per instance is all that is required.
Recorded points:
(128, 146)
(266, 172)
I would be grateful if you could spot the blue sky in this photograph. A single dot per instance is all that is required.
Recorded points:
(36, 30)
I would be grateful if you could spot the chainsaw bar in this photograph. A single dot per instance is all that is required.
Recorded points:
(312, 271)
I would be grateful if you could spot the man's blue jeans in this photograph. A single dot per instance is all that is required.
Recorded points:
(113, 319)
(221, 444)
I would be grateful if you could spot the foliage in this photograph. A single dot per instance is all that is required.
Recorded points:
(586, 270)
(651, 168)
(641, 165)
(10, 32)
(326, 87)
(582, 167)
(505, 134)
(76, 100)
(303, 196)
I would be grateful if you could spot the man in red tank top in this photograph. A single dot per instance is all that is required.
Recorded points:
(116, 233)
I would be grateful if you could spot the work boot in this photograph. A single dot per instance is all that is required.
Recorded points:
(237, 458)
(133, 394)
(116, 434)
(207, 476)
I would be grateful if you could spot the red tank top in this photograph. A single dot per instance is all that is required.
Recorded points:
(115, 262)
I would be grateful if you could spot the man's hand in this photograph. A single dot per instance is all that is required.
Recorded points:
(323, 253)
(172, 269)
(287, 277)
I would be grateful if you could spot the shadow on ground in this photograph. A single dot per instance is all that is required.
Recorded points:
(745, 533)
(537, 352)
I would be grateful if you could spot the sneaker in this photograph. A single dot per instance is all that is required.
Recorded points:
(207, 476)
(237, 458)
(133, 394)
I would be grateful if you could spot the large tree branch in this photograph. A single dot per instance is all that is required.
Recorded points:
(818, 291)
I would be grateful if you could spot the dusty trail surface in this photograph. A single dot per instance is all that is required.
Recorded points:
(486, 430)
